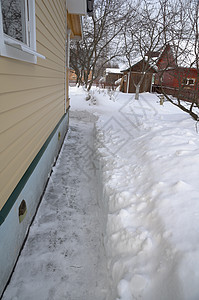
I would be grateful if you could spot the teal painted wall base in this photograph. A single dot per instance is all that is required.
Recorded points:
(13, 229)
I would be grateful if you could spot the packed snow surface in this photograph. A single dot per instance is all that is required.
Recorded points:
(63, 258)
(127, 178)
(148, 156)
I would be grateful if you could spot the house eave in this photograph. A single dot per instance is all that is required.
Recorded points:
(74, 23)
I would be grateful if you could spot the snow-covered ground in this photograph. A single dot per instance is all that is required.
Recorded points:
(126, 179)
(148, 170)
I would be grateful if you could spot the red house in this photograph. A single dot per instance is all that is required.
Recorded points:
(177, 74)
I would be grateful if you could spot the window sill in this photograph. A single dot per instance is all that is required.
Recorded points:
(23, 47)
(12, 48)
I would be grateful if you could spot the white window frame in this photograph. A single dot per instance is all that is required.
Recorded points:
(188, 81)
(13, 48)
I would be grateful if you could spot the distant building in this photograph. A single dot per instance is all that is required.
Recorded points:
(172, 69)
(177, 74)
(132, 76)
(111, 76)
(73, 76)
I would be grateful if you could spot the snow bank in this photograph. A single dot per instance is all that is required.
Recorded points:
(149, 166)
(148, 158)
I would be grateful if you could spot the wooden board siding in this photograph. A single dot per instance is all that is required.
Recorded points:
(31, 97)
(73, 22)
(172, 83)
(145, 85)
(111, 78)
(135, 76)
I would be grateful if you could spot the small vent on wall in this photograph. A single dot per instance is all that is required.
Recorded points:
(22, 210)
(59, 135)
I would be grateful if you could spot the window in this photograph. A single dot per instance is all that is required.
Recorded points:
(189, 81)
(13, 13)
(17, 30)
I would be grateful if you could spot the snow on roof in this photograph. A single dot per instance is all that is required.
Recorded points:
(151, 61)
(134, 62)
(113, 71)
(123, 66)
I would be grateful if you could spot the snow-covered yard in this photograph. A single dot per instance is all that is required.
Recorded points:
(126, 179)
(148, 158)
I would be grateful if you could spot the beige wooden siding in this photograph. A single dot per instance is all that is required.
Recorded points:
(31, 97)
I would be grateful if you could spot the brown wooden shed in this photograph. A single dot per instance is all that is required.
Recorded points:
(133, 75)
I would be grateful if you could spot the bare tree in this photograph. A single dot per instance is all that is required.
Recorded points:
(101, 42)
(146, 35)
(184, 41)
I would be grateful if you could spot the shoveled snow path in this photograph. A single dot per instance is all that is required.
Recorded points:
(63, 257)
